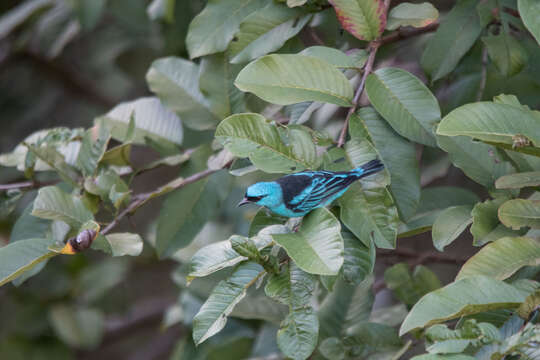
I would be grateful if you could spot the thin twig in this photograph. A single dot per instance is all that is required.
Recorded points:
(28, 184)
(373, 47)
(417, 258)
(359, 90)
(483, 75)
(141, 199)
(405, 33)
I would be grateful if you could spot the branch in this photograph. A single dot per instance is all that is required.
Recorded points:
(141, 199)
(367, 70)
(417, 258)
(483, 75)
(402, 34)
(28, 184)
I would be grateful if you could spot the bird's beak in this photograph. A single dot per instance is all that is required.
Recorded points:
(243, 202)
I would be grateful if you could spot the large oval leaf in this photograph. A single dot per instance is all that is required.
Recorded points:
(503, 257)
(212, 30)
(518, 213)
(176, 82)
(250, 135)
(365, 19)
(152, 120)
(289, 79)
(481, 162)
(450, 224)
(399, 157)
(466, 296)
(492, 122)
(265, 31)
(506, 53)
(21, 256)
(433, 200)
(317, 247)
(298, 333)
(456, 35)
(359, 259)
(486, 226)
(212, 316)
(518, 181)
(529, 10)
(407, 14)
(405, 102)
(54, 204)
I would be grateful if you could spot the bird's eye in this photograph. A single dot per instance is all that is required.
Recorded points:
(254, 198)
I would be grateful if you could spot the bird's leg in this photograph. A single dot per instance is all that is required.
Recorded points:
(294, 223)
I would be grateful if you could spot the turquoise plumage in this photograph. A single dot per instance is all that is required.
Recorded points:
(297, 194)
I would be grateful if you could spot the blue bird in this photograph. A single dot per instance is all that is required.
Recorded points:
(297, 194)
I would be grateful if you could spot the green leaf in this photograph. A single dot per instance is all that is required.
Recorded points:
(212, 316)
(54, 204)
(21, 256)
(480, 162)
(317, 247)
(466, 296)
(518, 181)
(152, 120)
(491, 122)
(332, 349)
(289, 79)
(433, 200)
(502, 258)
(408, 14)
(220, 255)
(264, 218)
(409, 287)
(28, 226)
(265, 31)
(176, 82)
(298, 333)
(364, 19)
(486, 226)
(216, 82)
(405, 102)
(335, 57)
(518, 213)
(214, 27)
(345, 307)
(506, 53)
(358, 259)
(450, 223)
(78, 327)
(370, 214)
(528, 11)
(399, 158)
(93, 148)
(19, 14)
(186, 210)
(454, 37)
(119, 244)
(49, 155)
(250, 135)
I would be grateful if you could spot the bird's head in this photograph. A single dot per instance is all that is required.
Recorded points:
(263, 193)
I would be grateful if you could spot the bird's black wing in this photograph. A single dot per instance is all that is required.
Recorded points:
(305, 191)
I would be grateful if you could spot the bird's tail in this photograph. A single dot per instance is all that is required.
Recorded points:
(368, 168)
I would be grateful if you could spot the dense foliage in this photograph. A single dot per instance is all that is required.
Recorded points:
(249, 90)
